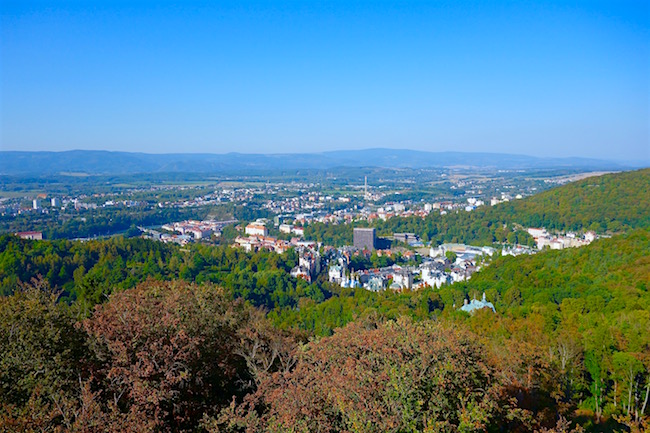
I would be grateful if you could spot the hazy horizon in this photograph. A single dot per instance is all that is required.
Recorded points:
(334, 150)
(622, 163)
(544, 79)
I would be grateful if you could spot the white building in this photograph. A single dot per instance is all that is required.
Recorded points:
(199, 233)
(301, 272)
(30, 235)
(457, 276)
(434, 278)
(590, 236)
(336, 274)
(402, 280)
(376, 283)
(256, 229)
(537, 233)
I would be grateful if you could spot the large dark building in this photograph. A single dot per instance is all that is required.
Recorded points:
(365, 238)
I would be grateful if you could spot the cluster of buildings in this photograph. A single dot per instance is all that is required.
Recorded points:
(197, 229)
(543, 239)
(216, 197)
(462, 251)
(184, 232)
(257, 238)
(309, 202)
(309, 264)
(366, 239)
(291, 229)
(443, 268)
(257, 228)
(168, 238)
(431, 273)
(434, 271)
(375, 280)
(256, 243)
(516, 250)
(55, 202)
(438, 269)
(313, 208)
(504, 198)
(42, 204)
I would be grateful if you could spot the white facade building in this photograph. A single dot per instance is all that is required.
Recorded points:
(256, 229)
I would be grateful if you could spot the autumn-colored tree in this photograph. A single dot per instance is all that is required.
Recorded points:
(169, 351)
(395, 377)
(562, 426)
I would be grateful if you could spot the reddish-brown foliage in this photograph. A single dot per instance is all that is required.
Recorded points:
(169, 351)
(399, 376)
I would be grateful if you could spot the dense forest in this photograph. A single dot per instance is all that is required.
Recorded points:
(133, 335)
(88, 272)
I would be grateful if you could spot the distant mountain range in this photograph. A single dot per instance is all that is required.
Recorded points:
(106, 162)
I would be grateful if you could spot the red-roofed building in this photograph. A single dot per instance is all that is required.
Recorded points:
(38, 236)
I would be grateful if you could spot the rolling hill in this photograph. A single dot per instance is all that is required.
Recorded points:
(105, 162)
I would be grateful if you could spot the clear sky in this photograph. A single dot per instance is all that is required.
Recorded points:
(545, 78)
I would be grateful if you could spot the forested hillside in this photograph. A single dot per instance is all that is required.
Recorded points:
(608, 203)
(88, 272)
(591, 306)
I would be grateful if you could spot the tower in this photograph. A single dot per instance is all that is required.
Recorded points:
(364, 238)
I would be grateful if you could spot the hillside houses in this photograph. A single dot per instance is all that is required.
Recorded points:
(544, 239)
(309, 264)
(433, 274)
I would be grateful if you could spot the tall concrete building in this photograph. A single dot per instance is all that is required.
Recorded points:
(365, 238)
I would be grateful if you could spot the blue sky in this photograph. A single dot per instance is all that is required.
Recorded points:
(545, 78)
